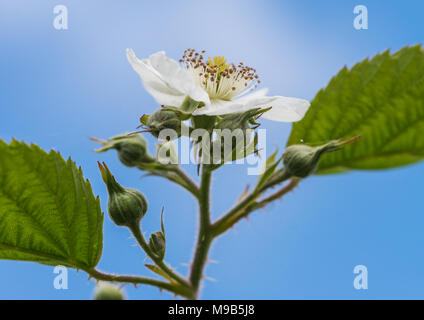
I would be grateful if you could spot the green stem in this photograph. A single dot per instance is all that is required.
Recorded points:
(178, 176)
(204, 238)
(136, 231)
(247, 205)
(231, 217)
(274, 196)
(190, 184)
(176, 289)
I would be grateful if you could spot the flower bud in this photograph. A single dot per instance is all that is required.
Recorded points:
(164, 119)
(131, 148)
(240, 120)
(126, 206)
(157, 244)
(203, 122)
(302, 160)
(234, 134)
(157, 240)
(108, 292)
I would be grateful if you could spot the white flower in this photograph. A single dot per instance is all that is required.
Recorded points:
(220, 86)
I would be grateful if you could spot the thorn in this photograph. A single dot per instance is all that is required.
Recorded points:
(185, 264)
(97, 140)
(208, 278)
(135, 285)
(247, 218)
(211, 261)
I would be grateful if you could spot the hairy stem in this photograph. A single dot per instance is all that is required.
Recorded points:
(174, 174)
(262, 203)
(176, 289)
(246, 205)
(191, 186)
(274, 196)
(204, 237)
(136, 231)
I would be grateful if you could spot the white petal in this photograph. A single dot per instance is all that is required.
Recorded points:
(286, 109)
(283, 109)
(165, 80)
(221, 107)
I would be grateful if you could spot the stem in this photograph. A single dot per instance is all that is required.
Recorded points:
(174, 173)
(231, 217)
(245, 206)
(204, 238)
(276, 195)
(191, 185)
(136, 231)
(257, 205)
(177, 289)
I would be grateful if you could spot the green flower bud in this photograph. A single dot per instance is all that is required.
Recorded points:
(203, 122)
(157, 240)
(164, 119)
(234, 135)
(131, 148)
(302, 160)
(126, 206)
(241, 120)
(157, 244)
(108, 292)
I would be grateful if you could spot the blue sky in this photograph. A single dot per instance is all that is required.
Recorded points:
(59, 87)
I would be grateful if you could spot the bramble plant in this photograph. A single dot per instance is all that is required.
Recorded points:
(368, 117)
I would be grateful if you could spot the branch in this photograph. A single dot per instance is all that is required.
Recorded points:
(274, 196)
(245, 206)
(174, 288)
(191, 185)
(177, 175)
(136, 231)
(204, 238)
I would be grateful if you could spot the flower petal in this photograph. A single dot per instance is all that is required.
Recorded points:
(286, 109)
(165, 80)
(221, 107)
(283, 109)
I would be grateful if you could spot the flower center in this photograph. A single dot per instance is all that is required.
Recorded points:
(221, 80)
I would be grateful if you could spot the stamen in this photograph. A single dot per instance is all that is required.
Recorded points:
(219, 79)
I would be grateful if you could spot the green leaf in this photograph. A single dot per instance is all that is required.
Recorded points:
(48, 213)
(381, 99)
